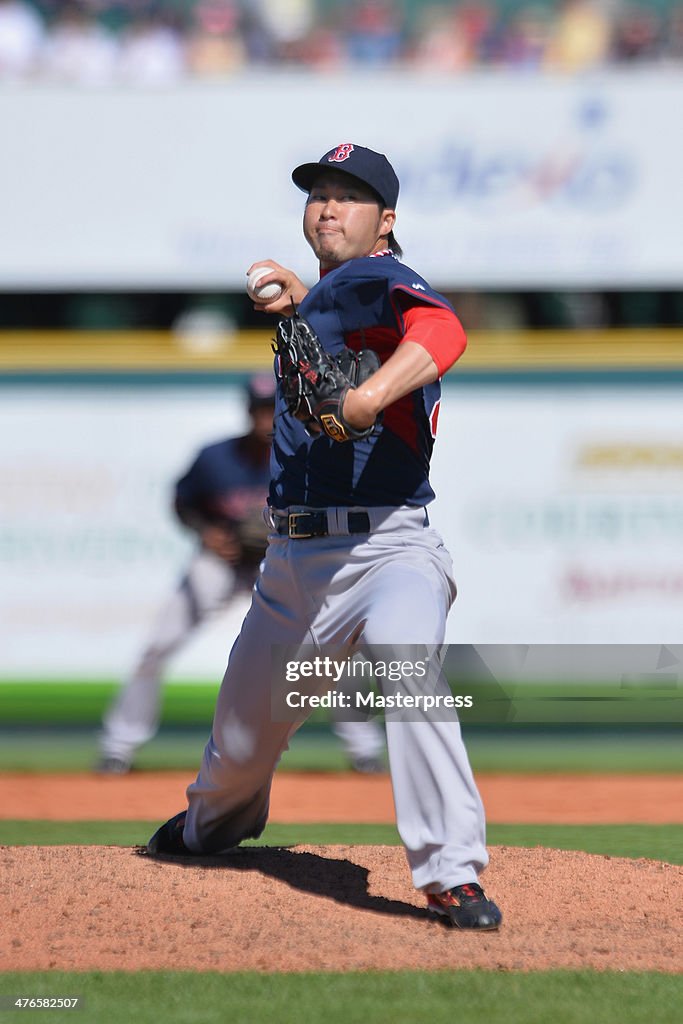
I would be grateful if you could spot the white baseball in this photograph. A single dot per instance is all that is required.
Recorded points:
(267, 292)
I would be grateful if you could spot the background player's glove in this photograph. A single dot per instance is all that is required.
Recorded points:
(252, 534)
(314, 384)
(239, 542)
(222, 540)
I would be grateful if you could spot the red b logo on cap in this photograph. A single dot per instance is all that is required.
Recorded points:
(341, 153)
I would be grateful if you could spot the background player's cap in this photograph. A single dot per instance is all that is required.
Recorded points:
(261, 390)
(371, 168)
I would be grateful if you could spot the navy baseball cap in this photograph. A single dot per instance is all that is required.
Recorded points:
(261, 390)
(371, 168)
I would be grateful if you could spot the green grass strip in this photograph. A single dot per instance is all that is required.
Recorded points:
(62, 749)
(657, 842)
(34, 702)
(576, 751)
(443, 997)
(185, 702)
(314, 748)
(136, 833)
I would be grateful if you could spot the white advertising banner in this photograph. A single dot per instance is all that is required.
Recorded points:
(89, 546)
(508, 180)
(563, 511)
(562, 508)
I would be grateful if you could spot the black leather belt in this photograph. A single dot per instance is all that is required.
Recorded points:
(302, 525)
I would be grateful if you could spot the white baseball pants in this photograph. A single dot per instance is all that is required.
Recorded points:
(391, 587)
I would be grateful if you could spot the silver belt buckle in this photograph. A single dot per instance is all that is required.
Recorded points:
(291, 526)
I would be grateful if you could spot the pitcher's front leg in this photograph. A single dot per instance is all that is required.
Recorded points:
(229, 800)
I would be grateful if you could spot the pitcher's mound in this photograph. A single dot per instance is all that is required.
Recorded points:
(336, 908)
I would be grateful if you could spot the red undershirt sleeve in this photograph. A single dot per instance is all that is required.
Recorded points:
(438, 330)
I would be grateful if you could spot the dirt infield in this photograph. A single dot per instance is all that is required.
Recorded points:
(340, 798)
(332, 907)
(304, 797)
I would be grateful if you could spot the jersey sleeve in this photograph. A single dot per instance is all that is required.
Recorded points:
(436, 328)
(188, 497)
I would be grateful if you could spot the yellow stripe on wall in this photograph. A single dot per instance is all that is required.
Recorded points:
(574, 349)
(132, 350)
(29, 351)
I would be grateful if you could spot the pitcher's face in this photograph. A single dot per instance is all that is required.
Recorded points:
(343, 220)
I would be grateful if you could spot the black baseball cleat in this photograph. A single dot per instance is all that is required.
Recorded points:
(169, 838)
(368, 766)
(466, 906)
(113, 766)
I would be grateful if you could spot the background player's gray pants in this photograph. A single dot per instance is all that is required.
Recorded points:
(208, 587)
(394, 587)
(209, 584)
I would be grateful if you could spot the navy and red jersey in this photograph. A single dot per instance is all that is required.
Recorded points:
(362, 304)
(226, 483)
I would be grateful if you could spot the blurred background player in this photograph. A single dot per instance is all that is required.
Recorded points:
(220, 498)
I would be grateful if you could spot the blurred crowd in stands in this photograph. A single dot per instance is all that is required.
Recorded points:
(97, 42)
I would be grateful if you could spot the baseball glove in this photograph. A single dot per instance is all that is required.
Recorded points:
(252, 534)
(314, 384)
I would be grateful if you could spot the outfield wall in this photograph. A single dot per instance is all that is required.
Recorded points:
(560, 497)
